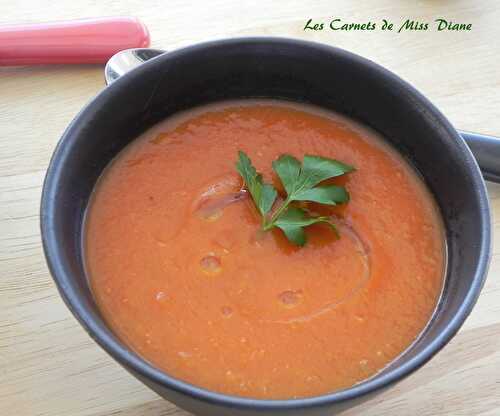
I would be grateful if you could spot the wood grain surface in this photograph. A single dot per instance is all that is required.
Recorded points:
(49, 366)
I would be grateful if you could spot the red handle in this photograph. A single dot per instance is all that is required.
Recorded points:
(85, 41)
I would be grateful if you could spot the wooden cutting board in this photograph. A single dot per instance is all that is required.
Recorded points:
(50, 367)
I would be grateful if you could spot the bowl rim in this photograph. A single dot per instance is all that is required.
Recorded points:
(104, 337)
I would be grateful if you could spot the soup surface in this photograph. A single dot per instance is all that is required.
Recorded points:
(183, 276)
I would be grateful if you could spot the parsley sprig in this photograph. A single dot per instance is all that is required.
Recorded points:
(302, 182)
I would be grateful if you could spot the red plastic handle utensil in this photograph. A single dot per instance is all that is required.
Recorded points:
(86, 41)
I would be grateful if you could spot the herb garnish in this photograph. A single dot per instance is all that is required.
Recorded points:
(301, 183)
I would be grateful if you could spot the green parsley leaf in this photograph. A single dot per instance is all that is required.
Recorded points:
(316, 169)
(267, 197)
(263, 194)
(301, 183)
(288, 170)
(293, 221)
(329, 195)
(299, 180)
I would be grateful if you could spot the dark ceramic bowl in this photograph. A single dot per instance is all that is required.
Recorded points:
(278, 68)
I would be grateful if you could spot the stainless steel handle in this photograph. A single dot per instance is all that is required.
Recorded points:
(126, 60)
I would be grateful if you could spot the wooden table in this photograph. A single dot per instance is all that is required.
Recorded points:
(49, 366)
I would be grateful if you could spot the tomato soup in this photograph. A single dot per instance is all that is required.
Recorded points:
(182, 274)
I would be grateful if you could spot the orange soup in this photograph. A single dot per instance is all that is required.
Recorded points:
(184, 277)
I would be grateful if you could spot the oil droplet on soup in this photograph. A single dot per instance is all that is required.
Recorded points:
(161, 296)
(290, 298)
(211, 264)
(226, 311)
(252, 315)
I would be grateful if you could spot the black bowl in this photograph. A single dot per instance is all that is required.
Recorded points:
(285, 69)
